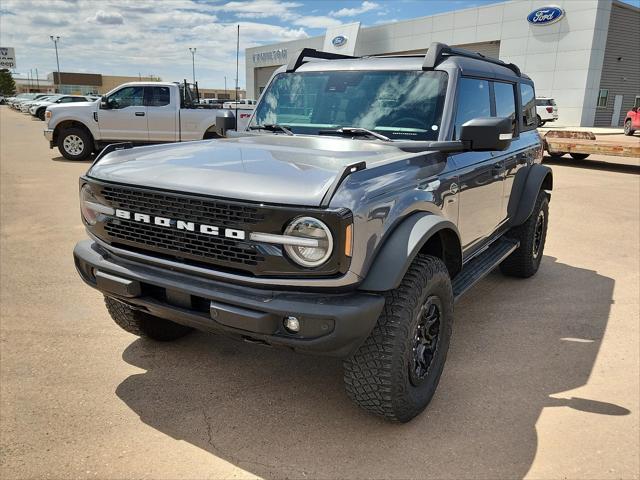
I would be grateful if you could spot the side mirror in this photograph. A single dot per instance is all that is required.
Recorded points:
(104, 103)
(225, 121)
(487, 134)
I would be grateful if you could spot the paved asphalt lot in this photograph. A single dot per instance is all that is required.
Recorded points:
(542, 379)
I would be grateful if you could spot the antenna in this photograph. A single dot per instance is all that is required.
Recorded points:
(237, 70)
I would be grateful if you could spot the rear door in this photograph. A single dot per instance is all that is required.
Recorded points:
(515, 157)
(480, 173)
(162, 112)
(126, 119)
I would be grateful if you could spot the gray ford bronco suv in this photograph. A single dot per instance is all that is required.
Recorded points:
(366, 195)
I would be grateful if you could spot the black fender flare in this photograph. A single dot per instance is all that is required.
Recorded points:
(401, 247)
(539, 177)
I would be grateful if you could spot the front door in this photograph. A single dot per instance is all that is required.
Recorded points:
(126, 116)
(480, 174)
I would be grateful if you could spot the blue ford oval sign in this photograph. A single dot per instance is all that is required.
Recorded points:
(545, 15)
(339, 41)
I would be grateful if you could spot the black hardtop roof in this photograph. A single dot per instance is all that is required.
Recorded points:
(439, 56)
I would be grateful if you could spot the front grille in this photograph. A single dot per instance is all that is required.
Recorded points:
(224, 251)
(195, 245)
(213, 212)
(183, 245)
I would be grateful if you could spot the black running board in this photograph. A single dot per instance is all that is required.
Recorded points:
(478, 267)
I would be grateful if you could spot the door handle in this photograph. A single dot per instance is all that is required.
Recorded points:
(139, 114)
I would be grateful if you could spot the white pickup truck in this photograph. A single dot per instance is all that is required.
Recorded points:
(137, 112)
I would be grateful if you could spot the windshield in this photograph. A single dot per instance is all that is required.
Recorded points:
(400, 105)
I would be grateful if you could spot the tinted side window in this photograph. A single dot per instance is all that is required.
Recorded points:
(127, 97)
(158, 96)
(473, 101)
(528, 107)
(506, 102)
(80, 99)
(66, 100)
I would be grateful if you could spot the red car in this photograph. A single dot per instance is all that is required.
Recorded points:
(632, 121)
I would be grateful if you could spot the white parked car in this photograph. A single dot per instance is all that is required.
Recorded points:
(546, 109)
(25, 97)
(243, 104)
(136, 112)
(37, 107)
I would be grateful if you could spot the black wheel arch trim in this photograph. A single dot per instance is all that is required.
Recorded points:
(401, 247)
(525, 192)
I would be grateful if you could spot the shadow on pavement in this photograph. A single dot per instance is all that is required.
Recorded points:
(567, 161)
(276, 414)
(61, 159)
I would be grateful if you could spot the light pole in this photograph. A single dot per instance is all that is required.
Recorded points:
(55, 43)
(225, 87)
(193, 63)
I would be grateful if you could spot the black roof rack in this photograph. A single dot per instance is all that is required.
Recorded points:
(437, 51)
(298, 60)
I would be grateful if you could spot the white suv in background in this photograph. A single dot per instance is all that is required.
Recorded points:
(547, 110)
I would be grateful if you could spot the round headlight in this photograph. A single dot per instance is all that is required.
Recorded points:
(312, 229)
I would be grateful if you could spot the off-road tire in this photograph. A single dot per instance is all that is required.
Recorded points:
(525, 260)
(79, 137)
(579, 156)
(628, 128)
(378, 376)
(142, 324)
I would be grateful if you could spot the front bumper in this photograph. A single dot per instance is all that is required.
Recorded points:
(331, 324)
(48, 134)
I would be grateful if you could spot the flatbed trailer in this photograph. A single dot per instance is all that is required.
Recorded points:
(582, 144)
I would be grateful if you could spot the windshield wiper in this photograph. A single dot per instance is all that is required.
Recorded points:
(353, 131)
(272, 127)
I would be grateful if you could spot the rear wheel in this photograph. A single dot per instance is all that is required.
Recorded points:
(556, 154)
(396, 370)
(142, 324)
(532, 234)
(628, 128)
(540, 121)
(75, 144)
(579, 156)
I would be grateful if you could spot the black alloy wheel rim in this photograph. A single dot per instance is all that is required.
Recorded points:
(425, 340)
(538, 233)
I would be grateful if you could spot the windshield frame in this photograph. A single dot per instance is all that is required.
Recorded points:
(401, 134)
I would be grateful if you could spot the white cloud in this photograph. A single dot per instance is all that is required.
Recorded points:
(108, 18)
(261, 9)
(352, 12)
(317, 22)
(127, 37)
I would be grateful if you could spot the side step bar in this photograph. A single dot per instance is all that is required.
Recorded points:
(478, 267)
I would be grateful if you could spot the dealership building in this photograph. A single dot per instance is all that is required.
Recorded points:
(585, 54)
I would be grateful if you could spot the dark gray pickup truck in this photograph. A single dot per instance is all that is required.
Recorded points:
(366, 195)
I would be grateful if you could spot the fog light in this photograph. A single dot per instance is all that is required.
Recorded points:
(292, 324)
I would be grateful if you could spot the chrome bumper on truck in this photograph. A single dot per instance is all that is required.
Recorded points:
(330, 323)
(48, 134)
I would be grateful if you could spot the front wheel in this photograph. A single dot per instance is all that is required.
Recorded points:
(396, 370)
(75, 144)
(628, 128)
(142, 324)
(40, 114)
(532, 235)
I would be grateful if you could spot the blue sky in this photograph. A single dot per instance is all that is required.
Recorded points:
(127, 37)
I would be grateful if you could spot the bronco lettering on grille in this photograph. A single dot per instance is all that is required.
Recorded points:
(181, 224)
